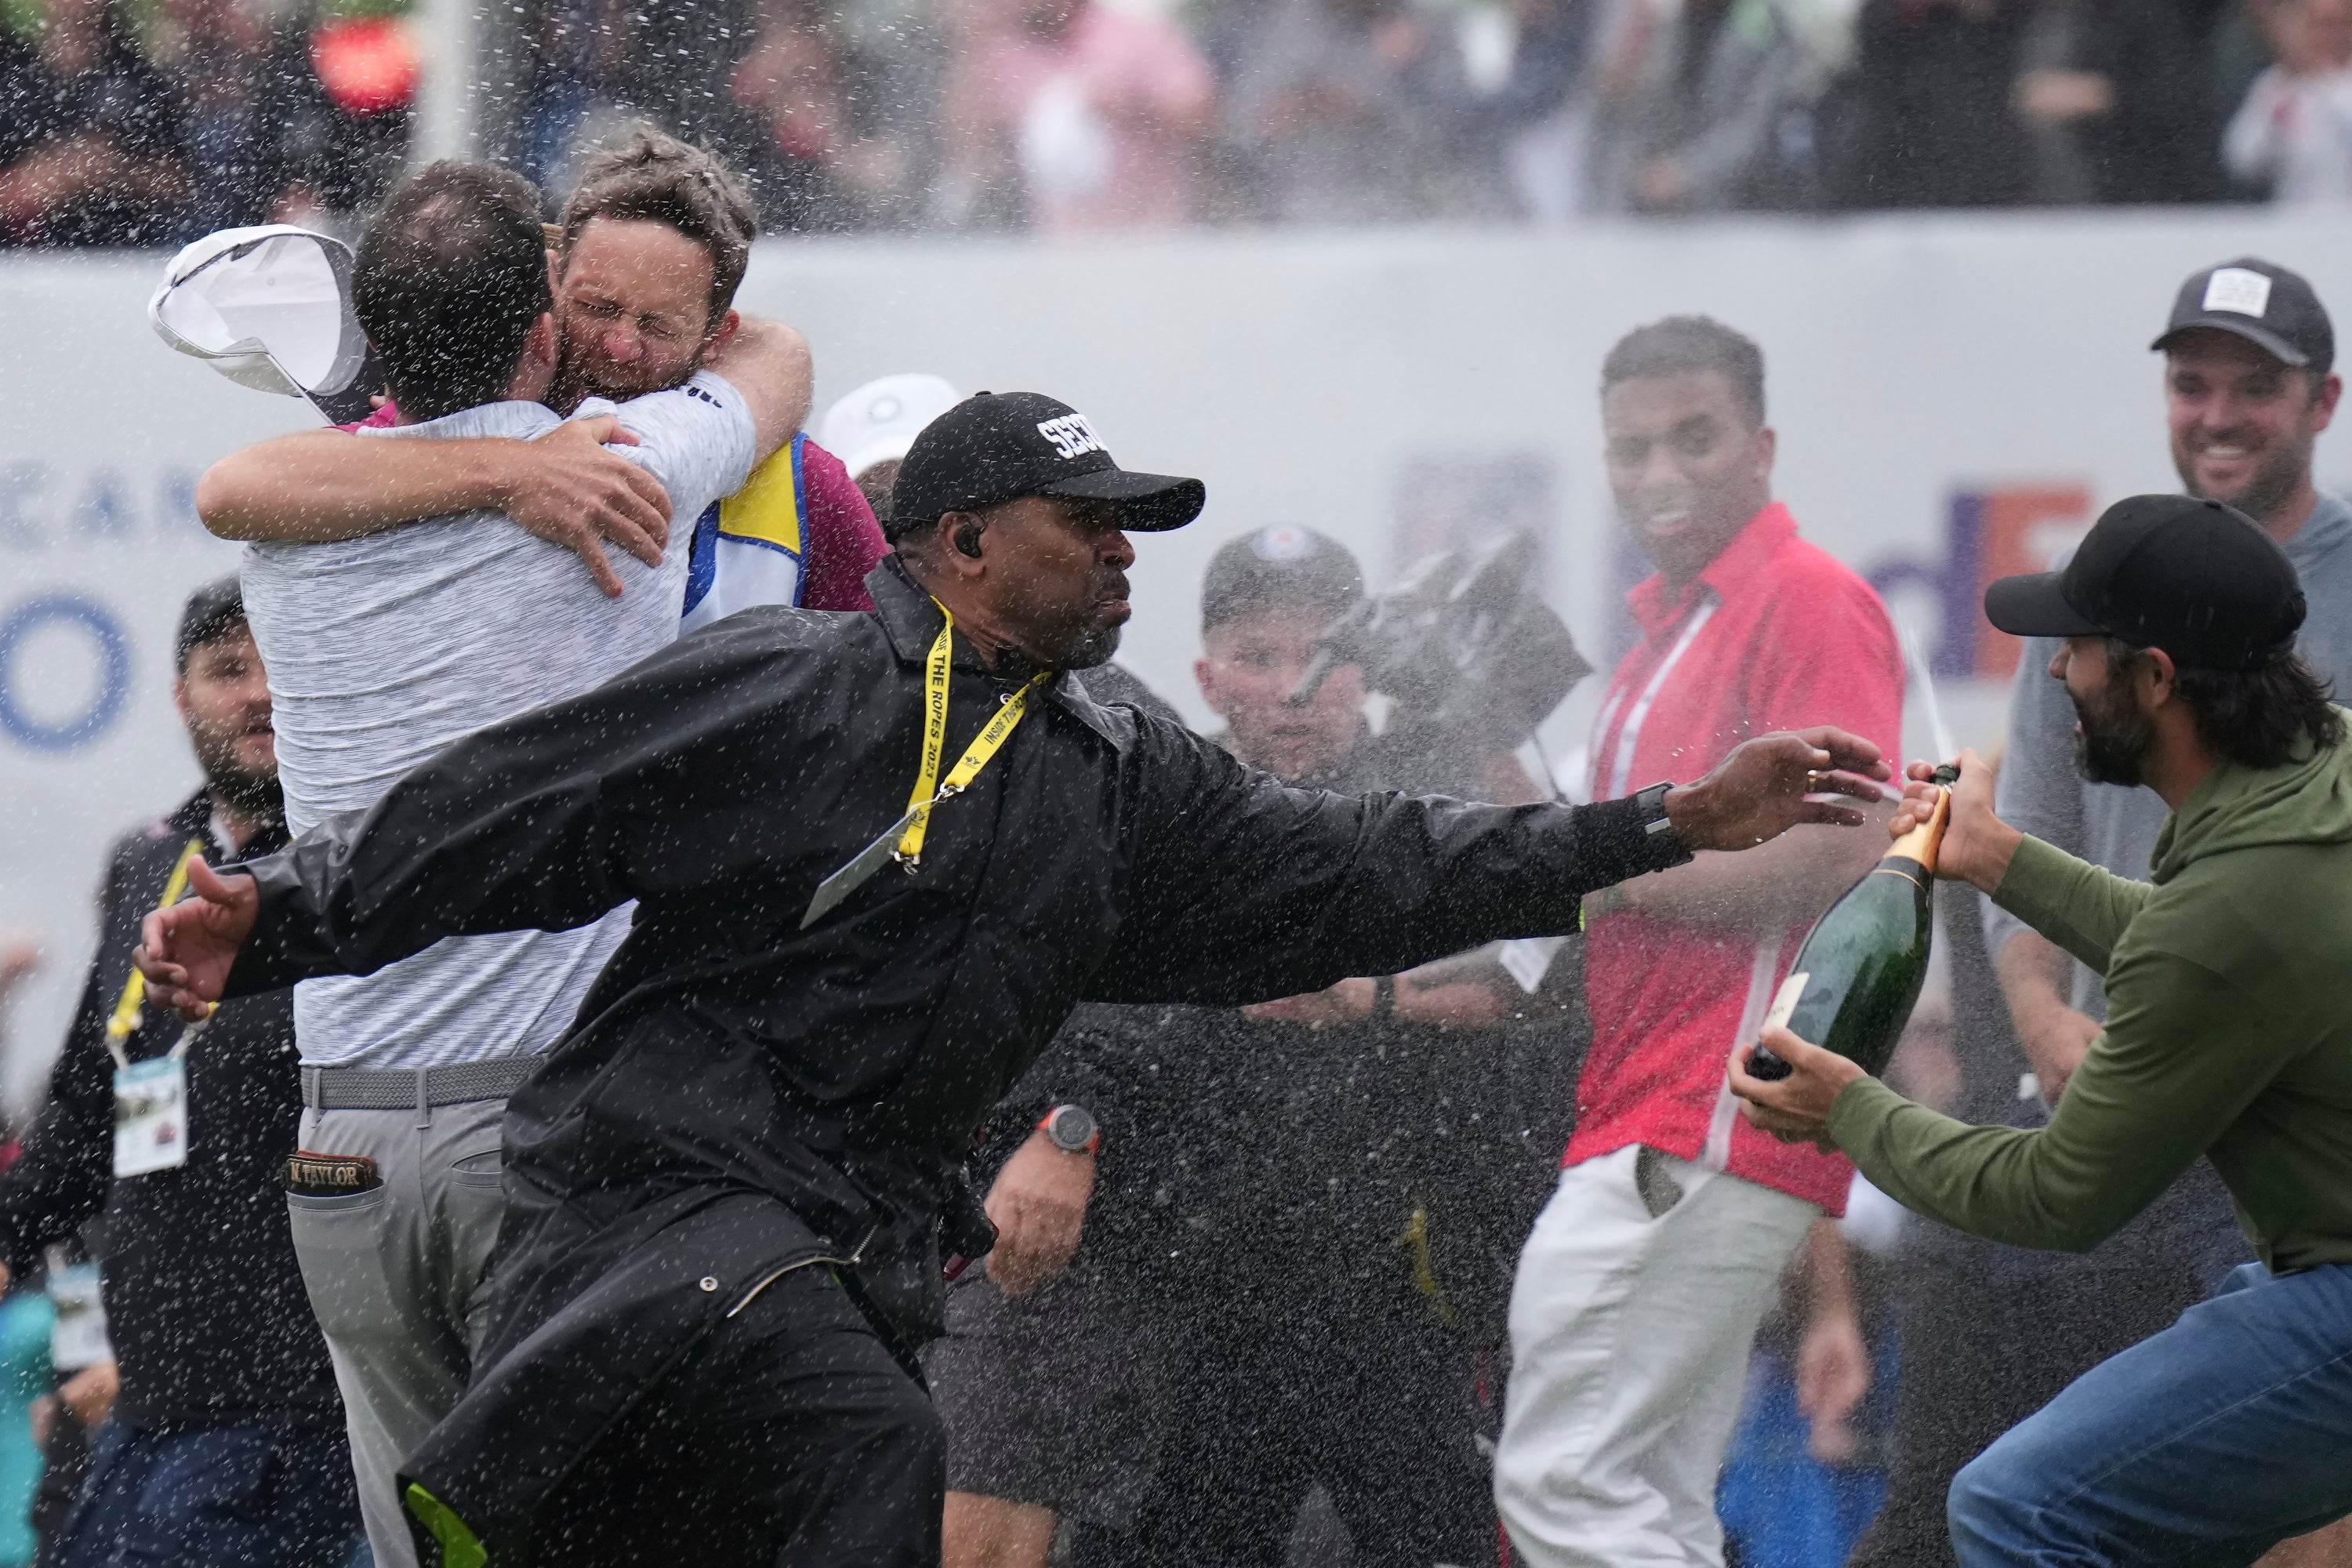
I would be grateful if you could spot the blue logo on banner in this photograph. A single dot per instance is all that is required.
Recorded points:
(114, 680)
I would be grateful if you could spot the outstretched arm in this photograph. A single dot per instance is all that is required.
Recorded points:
(1244, 888)
(321, 485)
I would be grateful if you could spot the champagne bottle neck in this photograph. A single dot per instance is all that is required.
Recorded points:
(1920, 844)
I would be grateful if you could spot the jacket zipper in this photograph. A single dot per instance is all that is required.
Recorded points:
(856, 1255)
(777, 1273)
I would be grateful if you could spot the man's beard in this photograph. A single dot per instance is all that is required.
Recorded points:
(2116, 738)
(570, 387)
(253, 794)
(1094, 646)
(2267, 491)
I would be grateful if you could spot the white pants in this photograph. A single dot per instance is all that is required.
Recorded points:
(1630, 1337)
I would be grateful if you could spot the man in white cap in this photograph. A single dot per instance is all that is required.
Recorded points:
(872, 427)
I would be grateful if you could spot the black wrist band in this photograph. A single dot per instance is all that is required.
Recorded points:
(1384, 996)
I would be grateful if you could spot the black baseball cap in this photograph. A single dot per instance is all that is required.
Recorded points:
(2261, 302)
(2198, 579)
(210, 612)
(1280, 567)
(996, 446)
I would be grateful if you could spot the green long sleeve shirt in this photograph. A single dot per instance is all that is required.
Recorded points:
(2229, 1033)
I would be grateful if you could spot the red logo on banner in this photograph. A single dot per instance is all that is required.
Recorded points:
(1989, 533)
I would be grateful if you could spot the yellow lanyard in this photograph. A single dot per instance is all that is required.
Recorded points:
(975, 757)
(134, 990)
(903, 840)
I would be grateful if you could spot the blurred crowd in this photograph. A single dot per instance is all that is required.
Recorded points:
(138, 125)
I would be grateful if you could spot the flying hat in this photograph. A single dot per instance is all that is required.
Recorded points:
(270, 308)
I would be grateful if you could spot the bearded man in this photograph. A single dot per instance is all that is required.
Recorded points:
(2248, 386)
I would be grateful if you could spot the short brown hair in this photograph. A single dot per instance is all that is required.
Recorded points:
(660, 179)
(450, 277)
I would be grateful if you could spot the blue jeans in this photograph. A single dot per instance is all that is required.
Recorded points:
(219, 1497)
(2208, 1443)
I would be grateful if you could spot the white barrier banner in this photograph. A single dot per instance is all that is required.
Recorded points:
(1955, 397)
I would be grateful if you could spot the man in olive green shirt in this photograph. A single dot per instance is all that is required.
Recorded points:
(2229, 1034)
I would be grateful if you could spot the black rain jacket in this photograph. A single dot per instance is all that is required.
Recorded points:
(740, 1096)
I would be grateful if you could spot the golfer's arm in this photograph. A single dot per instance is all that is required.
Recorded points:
(1768, 888)
(770, 365)
(321, 485)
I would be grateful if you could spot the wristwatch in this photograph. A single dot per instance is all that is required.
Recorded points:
(1073, 1129)
(1651, 806)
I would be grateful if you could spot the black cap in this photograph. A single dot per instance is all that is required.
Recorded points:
(1280, 567)
(2261, 302)
(2198, 579)
(211, 611)
(999, 446)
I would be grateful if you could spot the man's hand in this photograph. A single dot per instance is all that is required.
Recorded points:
(1761, 789)
(1349, 1002)
(19, 957)
(1833, 1375)
(186, 952)
(1976, 844)
(569, 490)
(89, 1394)
(1039, 1207)
(1796, 1108)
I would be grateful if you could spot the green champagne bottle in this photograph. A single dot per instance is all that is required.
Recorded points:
(1857, 977)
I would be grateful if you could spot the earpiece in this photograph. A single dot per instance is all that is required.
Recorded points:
(967, 540)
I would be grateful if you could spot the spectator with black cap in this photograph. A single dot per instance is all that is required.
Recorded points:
(723, 1185)
(225, 1441)
(1993, 1333)
(2228, 1035)
(1250, 1216)
(1342, 1181)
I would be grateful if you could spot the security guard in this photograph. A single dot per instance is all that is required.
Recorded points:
(851, 935)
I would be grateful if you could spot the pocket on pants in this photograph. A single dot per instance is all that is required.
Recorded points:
(481, 1168)
(340, 1243)
(1656, 1183)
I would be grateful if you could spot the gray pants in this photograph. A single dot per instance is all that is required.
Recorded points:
(393, 1275)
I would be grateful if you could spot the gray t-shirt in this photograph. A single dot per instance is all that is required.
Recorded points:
(382, 651)
(2042, 792)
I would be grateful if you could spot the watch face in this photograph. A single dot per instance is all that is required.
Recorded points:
(1073, 1128)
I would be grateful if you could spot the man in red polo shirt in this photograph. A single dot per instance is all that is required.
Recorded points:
(1639, 1292)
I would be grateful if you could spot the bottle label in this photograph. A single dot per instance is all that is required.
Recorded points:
(1784, 1003)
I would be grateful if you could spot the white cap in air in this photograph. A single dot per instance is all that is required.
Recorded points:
(269, 307)
(879, 420)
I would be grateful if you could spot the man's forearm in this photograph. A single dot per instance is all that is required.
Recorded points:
(770, 365)
(321, 485)
(2034, 973)
(1768, 888)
